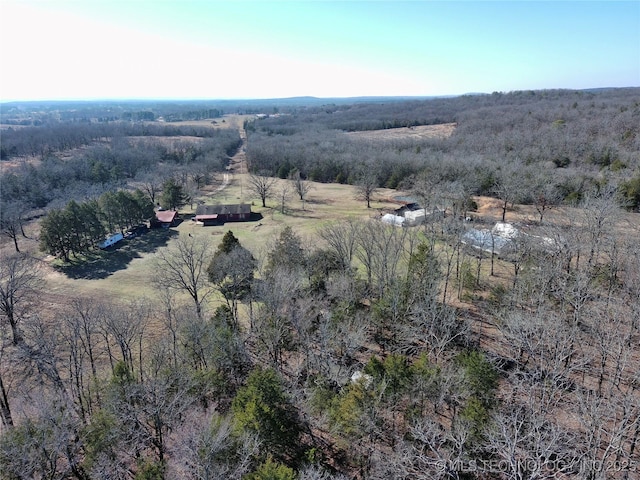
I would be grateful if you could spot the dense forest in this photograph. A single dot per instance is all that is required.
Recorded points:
(576, 140)
(368, 351)
(108, 160)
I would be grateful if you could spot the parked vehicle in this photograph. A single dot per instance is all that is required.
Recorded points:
(111, 240)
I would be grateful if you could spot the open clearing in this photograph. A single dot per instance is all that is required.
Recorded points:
(407, 133)
(131, 279)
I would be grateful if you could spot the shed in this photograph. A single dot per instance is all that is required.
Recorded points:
(417, 217)
(165, 218)
(392, 219)
(407, 207)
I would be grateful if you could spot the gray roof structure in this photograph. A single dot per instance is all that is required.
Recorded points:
(236, 209)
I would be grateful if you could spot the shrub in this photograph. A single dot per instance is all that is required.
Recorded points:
(271, 470)
(263, 408)
(630, 193)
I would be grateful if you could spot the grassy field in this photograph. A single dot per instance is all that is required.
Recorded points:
(124, 274)
(406, 133)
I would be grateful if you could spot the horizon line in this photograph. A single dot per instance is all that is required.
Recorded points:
(295, 97)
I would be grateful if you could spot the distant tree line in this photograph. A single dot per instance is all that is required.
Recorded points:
(377, 115)
(36, 113)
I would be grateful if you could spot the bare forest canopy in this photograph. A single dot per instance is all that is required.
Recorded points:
(62, 136)
(577, 140)
(446, 350)
(83, 161)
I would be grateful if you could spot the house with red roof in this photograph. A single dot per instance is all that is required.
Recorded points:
(165, 219)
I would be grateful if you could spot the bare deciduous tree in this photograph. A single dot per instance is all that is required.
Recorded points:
(5, 409)
(270, 322)
(199, 176)
(213, 452)
(438, 452)
(312, 472)
(600, 212)
(284, 192)
(11, 221)
(79, 330)
(528, 444)
(262, 185)
(301, 186)
(146, 412)
(183, 267)
(341, 238)
(609, 432)
(545, 194)
(367, 186)
(380, 249)
(20, 278)
(508, 185)
(434, 327)
(47, 445)
(124, 326)
(151, 184)
(547, 348)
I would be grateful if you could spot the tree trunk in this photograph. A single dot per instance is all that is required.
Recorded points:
(15, 330)
(5, 411)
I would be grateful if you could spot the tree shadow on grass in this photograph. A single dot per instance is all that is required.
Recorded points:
(299, 213)
(102, 263)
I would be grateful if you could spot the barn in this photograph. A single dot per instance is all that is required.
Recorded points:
(219, 214)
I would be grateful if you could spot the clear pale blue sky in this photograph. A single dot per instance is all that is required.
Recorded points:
(94, 49)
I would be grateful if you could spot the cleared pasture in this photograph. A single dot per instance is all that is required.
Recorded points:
(419, 132)
(125, 273)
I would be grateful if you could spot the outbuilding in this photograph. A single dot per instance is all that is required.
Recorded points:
(219, 214)
(165, 218)
(392, 219)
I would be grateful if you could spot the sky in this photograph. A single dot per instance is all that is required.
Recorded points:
(240, 49)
